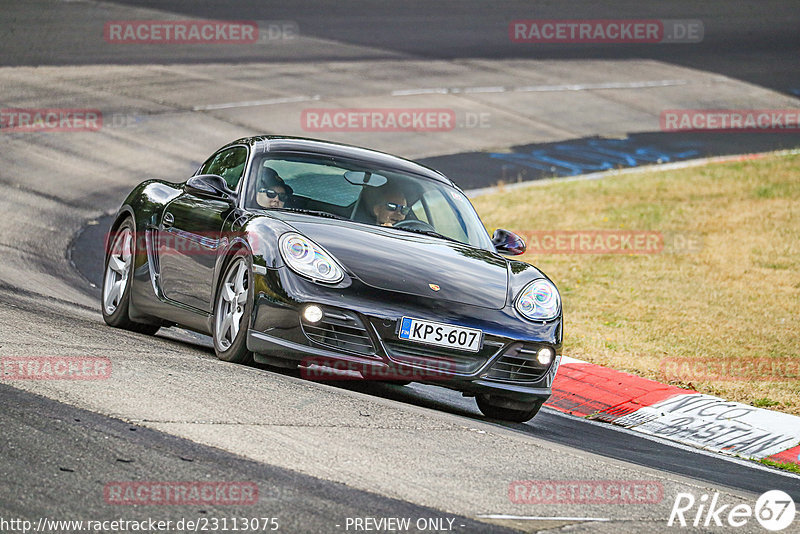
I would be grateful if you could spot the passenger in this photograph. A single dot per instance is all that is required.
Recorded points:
(272, 191)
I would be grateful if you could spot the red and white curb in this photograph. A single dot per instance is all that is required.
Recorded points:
(587, 390)
(680, 415)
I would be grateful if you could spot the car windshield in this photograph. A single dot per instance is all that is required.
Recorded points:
(331, 187)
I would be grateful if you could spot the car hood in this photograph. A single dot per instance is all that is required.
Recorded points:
(405, 262)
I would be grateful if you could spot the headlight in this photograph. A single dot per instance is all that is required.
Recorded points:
(309, 259)
(539, 301)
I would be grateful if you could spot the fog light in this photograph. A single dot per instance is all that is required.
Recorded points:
(312, 313)
(545, 356)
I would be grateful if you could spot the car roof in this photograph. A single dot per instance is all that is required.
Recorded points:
(279, 143)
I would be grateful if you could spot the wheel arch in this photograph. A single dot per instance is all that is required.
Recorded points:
(123, 213)
(224, 261)
(142, 206)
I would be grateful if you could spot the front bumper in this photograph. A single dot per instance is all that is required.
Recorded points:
(360, 326)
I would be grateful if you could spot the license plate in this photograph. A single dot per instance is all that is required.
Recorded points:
(443, 335)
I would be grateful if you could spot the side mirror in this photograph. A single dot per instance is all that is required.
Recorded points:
(508, 243)
(210, 185)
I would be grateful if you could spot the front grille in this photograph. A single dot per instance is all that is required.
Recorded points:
(440, 359)
(518, 363)
(341, 330)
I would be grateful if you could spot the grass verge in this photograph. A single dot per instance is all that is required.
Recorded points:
(716, 309)
(786, 466)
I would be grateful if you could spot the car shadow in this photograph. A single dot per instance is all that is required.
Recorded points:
(416, 394)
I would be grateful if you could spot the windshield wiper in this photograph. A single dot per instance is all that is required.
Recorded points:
(314, 212)
(430, 233)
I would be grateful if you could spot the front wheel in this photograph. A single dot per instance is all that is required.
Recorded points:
(232, 309)
(495, 407)
(117, 278)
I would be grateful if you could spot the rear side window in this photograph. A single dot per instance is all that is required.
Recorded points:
(227, 163)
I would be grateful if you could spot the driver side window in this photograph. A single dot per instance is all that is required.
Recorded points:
(229, 164)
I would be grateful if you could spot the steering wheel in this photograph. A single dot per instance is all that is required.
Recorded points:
(415, 224)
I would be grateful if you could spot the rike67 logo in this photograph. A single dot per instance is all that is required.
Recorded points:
(774, 510)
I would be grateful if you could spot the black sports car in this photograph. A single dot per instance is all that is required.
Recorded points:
(299, 252)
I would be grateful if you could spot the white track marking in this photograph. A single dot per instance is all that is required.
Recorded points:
(469, 90)
(595, 86)
(412, 92)
(539, 88)
(253, 103)
(456, 90)
(540, 518)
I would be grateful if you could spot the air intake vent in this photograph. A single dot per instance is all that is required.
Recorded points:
(440, 359)
(518, 364)
(341, 330)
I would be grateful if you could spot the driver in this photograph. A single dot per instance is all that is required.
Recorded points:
(387, 204)
(272, 191)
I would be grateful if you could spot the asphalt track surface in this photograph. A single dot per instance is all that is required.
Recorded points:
(322, 452)
(575, 157)
(753, 40)
(549, 425)
(78, 447)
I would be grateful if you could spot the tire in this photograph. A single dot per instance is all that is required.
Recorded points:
(395, 382)
(117, 278)
(233, 306)
(495, 407)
